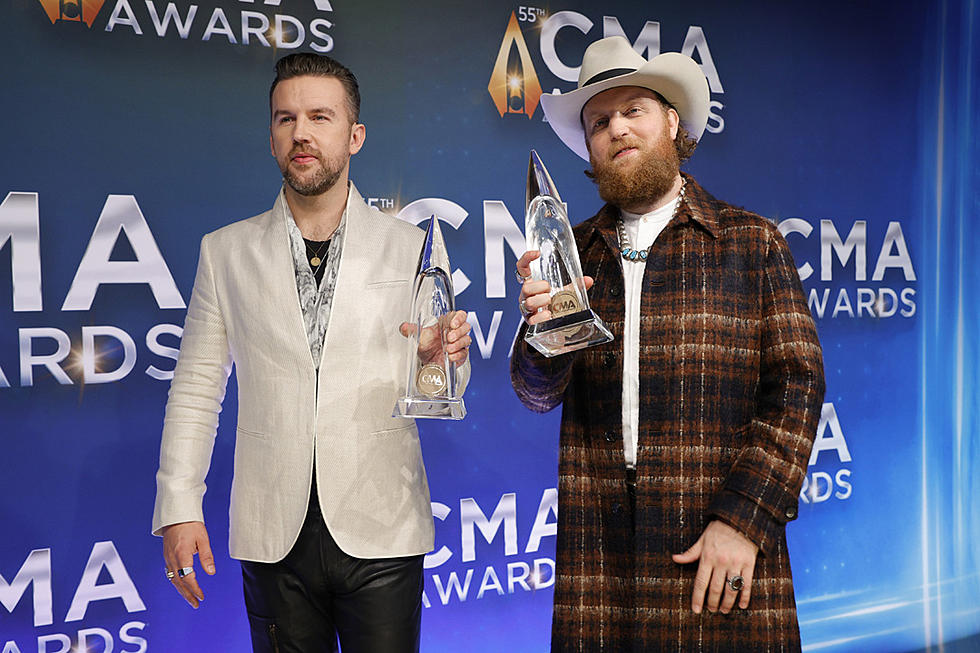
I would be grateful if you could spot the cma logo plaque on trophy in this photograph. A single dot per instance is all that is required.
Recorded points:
(431, 390)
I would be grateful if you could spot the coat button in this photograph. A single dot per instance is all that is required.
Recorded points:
(790, 512)
(610, 436)
(616, 508)
(614, 291)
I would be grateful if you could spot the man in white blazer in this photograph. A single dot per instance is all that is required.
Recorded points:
(330, 512)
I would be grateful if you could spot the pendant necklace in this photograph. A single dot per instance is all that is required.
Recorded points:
(315, 260)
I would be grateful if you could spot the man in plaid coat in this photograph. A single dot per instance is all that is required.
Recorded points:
(685, 440)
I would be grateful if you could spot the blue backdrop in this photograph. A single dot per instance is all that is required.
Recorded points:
(136, 126)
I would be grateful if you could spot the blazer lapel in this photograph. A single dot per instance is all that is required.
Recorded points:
(355, 269)
(282, 276)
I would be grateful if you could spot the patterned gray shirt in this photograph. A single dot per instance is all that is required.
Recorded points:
(315, 302)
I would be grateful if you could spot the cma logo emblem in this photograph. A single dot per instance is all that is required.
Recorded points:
(85, 11)
(73, 11)
(514, 84)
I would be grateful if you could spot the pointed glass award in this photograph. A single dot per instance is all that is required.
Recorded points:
(573, 325)
(430, 387)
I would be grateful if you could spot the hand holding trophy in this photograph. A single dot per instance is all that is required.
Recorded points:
(431, 389)
(573, 324)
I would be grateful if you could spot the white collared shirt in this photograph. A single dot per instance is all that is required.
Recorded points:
(642, 231)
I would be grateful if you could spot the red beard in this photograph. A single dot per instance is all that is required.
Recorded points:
(640, 182)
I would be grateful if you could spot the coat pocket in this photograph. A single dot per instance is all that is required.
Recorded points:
(250, 433)
(393, 283)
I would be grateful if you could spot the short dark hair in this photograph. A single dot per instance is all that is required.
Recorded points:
(300, 64)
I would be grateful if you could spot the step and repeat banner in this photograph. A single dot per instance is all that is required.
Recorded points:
(133, 127)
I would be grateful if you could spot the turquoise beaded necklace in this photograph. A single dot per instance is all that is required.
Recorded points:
(626, 247)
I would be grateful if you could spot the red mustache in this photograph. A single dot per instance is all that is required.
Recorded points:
(624, 145)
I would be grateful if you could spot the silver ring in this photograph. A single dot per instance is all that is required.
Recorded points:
(520, 277)
(736, 583)
(170, 574)
(523, 307)
(183, 571)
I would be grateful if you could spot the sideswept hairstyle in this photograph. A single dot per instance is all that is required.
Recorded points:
(302, 64)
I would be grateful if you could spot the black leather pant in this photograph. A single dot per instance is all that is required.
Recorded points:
(317, 593)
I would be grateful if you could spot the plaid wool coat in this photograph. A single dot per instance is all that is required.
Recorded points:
(731, 385)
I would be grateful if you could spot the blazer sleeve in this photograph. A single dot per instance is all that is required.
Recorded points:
(761, 492)
(196, 393)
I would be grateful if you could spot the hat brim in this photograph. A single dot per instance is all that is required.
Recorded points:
(676, 77)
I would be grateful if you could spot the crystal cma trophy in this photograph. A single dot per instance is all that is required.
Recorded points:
(573, 324)
(431, 377)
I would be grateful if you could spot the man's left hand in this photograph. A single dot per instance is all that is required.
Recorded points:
(724, 553)
(456, 334)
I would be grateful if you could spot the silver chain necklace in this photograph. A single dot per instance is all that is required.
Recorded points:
(626, 247)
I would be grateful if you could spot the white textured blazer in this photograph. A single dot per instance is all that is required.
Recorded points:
(244, 311)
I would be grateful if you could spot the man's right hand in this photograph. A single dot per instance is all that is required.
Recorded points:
(180, 543)
(536, 295)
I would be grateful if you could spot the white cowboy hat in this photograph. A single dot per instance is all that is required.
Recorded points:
(612, 62)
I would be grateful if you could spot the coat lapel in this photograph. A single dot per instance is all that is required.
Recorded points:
(355, 269)
(281, 272)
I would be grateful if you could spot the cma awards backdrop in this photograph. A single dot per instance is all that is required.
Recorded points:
(133, 127)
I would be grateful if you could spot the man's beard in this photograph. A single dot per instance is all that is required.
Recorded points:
(324, 176)
(641, 182)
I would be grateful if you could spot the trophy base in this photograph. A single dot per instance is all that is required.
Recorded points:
(418, 407)
(568, 333)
